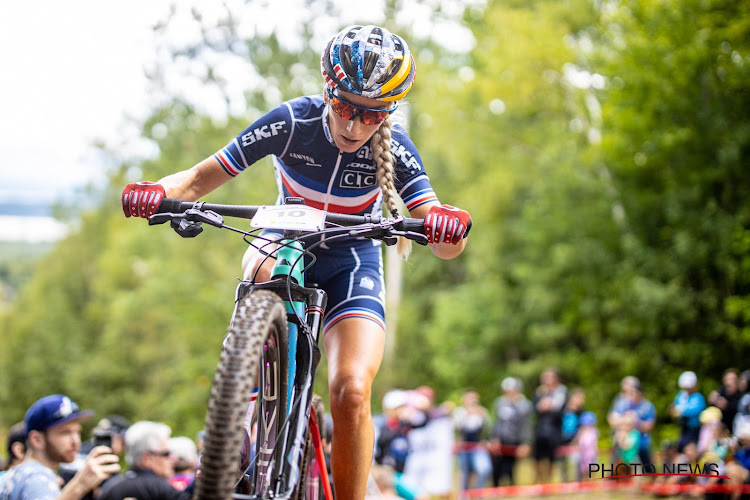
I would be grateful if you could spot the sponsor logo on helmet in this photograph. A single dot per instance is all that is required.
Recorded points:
(263, 132)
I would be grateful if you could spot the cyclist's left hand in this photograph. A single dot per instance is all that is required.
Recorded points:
(446, 224)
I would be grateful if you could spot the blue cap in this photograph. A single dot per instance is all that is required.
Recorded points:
(53, 410)
(587, 418)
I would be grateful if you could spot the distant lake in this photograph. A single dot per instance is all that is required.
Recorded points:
(31, 228)
(25, 209)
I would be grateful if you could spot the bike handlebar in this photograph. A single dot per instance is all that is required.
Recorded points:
(405, 225)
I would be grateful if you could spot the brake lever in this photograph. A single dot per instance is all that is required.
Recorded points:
(209, 217)
(162, 218)
(418, 238)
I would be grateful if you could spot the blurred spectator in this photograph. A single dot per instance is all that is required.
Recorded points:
(744, 382)
(687, 407)
(151, 465)
(627, 439)
(513, 432)
(571, 414)
(646, 413)
(621, 401)
(549, 401)
(619, 406)
(199, 441)
(16, 446)
(710, 420)
(110, 432)
(383, 477)
(472, 420)
(587, 440)
(727, 396)
(185, 454)
(738, 470)
(392, 444)
(112, 427)
(53, 436)
(430, 461)
(743, 414)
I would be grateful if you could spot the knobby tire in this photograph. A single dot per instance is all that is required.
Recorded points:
(259, 326)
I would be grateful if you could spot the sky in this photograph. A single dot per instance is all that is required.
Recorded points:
(69, 71)
(72, 73)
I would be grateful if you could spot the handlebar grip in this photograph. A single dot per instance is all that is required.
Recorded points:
(414, 225)
(169, 205)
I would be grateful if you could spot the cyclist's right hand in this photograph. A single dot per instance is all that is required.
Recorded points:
(141, 199)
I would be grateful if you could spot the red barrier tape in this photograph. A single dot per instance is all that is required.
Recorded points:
(600, 485)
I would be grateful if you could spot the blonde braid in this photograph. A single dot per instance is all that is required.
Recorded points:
(384, 161)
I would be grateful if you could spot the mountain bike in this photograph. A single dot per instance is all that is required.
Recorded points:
(272, 349)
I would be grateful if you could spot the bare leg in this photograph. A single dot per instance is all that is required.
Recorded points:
(354, 348)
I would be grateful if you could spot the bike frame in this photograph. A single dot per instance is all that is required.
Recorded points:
(304, 306)
(304, 355)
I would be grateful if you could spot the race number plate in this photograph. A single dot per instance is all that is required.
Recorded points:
(290, 217)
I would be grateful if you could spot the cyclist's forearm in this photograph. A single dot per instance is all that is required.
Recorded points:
(194, 183)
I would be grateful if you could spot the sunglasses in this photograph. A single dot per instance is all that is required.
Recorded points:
(348, 110)
(162, 454)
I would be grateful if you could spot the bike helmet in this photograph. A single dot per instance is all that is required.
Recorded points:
(368, 61)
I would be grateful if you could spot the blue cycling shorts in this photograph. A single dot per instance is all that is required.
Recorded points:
(352, 277)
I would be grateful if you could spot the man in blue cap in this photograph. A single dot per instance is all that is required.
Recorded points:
(53, 436)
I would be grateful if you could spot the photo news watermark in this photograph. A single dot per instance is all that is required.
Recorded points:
(623, 470)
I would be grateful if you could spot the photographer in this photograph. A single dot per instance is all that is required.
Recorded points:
(53, 436)
(109, 432)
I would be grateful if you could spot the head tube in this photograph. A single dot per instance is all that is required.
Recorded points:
(289, 262)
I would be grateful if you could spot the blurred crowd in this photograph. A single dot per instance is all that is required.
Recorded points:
(419, 444)
(551, 428)
(47, 459)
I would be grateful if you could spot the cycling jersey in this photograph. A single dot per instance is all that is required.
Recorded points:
(309, 165)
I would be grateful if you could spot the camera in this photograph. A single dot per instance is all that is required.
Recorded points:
(103, 438)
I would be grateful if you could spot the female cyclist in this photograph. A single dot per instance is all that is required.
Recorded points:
(341, 152)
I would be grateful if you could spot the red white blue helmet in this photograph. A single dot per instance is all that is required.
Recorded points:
(369, 61)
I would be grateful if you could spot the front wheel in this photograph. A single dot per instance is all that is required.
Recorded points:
(257, 341)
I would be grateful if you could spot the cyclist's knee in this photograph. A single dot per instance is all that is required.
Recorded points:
(350, 396)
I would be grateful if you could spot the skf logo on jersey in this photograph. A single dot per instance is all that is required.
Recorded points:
(399, 151)
(351, 179)
(263, 132)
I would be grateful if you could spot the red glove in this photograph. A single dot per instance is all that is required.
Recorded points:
(446, 224)
(141, 199)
